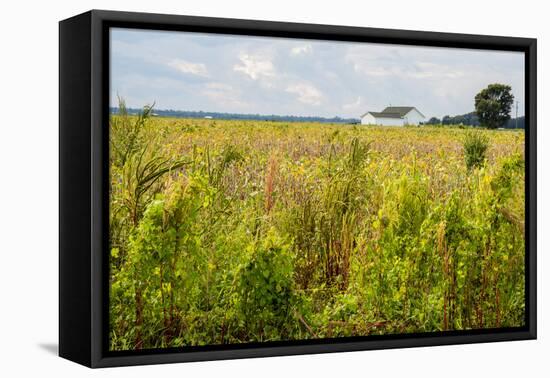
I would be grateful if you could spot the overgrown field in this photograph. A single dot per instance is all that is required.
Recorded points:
(243, 231)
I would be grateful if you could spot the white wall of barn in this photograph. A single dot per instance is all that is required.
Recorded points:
(414, 118)
(369, 119)
(389, 121)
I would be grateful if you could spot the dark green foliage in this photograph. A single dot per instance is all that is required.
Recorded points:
(475, 147)
(433, 121)
(471, 119)
(265, 298)
(493, 105)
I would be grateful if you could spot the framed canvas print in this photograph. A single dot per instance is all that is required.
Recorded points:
(234, 188)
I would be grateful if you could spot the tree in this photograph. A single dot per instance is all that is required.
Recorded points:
(493, 105)
(434, 121)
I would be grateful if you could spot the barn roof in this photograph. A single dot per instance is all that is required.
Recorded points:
(385, 115)
(401, 110)
(393, 112)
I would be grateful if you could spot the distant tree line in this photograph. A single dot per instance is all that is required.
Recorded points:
(471, 119)
(239, 116)
(493, 106)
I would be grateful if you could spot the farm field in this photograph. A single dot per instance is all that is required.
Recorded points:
(226, 232)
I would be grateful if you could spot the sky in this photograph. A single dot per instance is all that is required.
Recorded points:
(265, 75)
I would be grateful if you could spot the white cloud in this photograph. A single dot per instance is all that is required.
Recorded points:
(306, 93)
(417, 71)
(255, 66)
(370, 62)
(223, 94)
(198, 69)
(299, 50)
(353, 105)
(434, 70)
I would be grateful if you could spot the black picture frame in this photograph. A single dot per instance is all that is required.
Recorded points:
(83, 185)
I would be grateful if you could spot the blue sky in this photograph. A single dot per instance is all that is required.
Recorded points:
(241, 74)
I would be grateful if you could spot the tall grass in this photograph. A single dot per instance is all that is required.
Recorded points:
(244, 231)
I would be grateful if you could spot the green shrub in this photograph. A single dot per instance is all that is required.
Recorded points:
(265, 290)
(475, 148)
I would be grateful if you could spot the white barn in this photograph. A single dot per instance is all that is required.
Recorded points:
(394, 116)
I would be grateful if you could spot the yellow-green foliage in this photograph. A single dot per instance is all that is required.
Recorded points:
(247, 231)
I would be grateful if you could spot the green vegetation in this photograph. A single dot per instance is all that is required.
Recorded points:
(493, 105)
(246, 231)
(475, 147)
